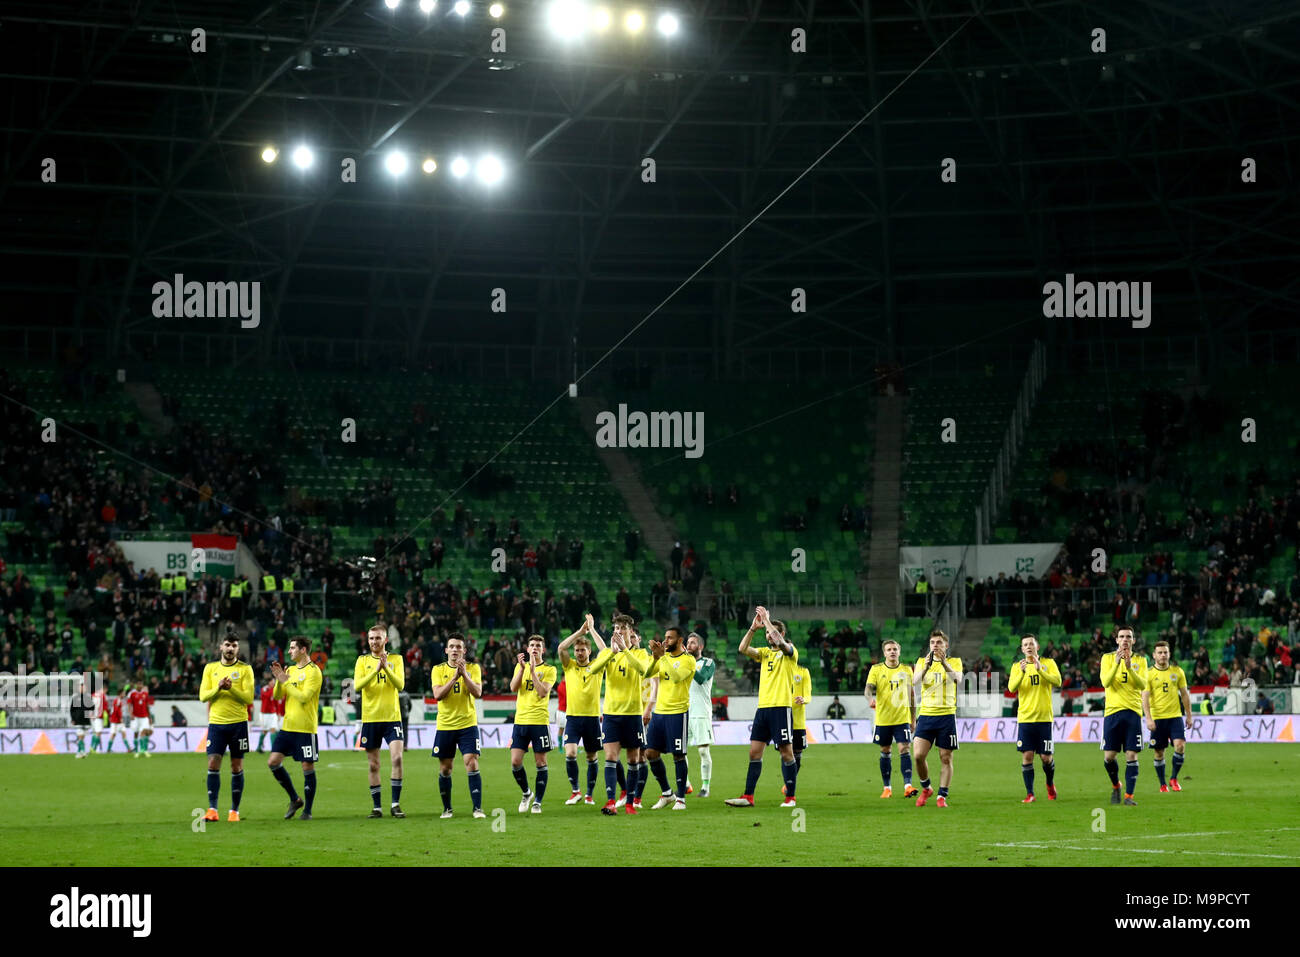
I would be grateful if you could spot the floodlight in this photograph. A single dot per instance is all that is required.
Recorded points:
(668, 24)
(461, 7)
(490, 171)
(429, 165)
(634, 21)
(395, 162)
(302, 157)
(269, 154)
(459, 167)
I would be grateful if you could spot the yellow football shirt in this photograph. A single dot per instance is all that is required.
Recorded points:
(893, 693)
(582, 686)
(776, 677)
(530, 705)
(227, 707)
(1124, 686)
(802, 682)
(1165, 689)
(456, 712)
(623, 671)
(301, 694)
(938, 691)
(379, 702)
(675, 674)
(1034, 686)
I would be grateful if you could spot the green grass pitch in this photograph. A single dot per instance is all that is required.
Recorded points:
(116, 810)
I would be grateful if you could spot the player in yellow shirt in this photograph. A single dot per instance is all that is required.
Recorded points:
(1033, 678)
(299, 688)
(801, 681)
(673, 669)
(582, 724)
(533, 680)
(622, 727)
(772, 719)
(889, 694)
(935, 680)
(455, 685)
(379, 677)
(227, 690)
(1164, 702)
(1124, 678)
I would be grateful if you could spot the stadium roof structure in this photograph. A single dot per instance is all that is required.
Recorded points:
(776, 169)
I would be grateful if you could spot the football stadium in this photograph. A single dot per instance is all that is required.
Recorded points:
(721, 433)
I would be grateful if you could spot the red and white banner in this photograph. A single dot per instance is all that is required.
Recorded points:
(1083, 730)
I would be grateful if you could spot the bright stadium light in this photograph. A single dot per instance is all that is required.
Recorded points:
(565, 18)
(461, 7)
(495, 11)
(395, 162)
(269, 154)
(427, 6)
(459, 167)
(392, 4)
(668, 24)
(601, 18)
(634, 21)
(302, 157)
(429, 165)
(490, 171)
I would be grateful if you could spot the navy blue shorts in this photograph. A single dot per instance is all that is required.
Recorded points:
(1121, 731)
(232, 736)
(627, 729)
(800, 739)
(1034, 736)
(299, 745)
(538, 736)
(886, 734)
(446, 743)
(374, 733)
(939, 729)
(667, 733)
(585, 730)
(1167, 729)
(772, 724)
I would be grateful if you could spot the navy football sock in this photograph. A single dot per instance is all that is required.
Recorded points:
(282, 775)
(214, 787)
(397, 791)
(236, 789)
(476, 789)
(798, 761)
(571, 768)
(886, 769)
(521, 778)
(751, 778)
(444, 789)
(1178, 764)
(1027, 772)
(1130, 777)
(683, 769)
(790, 774)
(375, 795)
(308, 790)
(1160, 771)
(1112, 768)
(539, 789)
(622, 776)
(611, 779)
(943, 792)
(905, 761)
(661, 774)
(1050, 770)
(591, 777)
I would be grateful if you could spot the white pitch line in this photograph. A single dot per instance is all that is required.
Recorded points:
(1139, 850)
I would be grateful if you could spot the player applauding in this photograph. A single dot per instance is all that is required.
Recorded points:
(1166, 691)
(675, 670)
(456, 684)
(1033, 678)
(936, 678)
(772, 719)
(381, 676)
(1124, 678)
(227, 689)
(889, 693)
(299, 689)
(583, 724)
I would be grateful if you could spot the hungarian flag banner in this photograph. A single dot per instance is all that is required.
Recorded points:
(218, 553)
